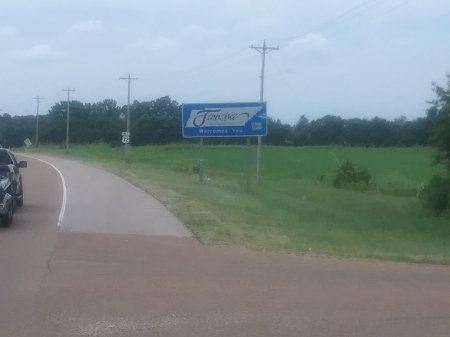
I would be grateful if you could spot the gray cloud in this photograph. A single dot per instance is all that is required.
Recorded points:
(87, 26)
(160, 44)
(309, 43)
(43, 52)
(196, 31)
(6, 31)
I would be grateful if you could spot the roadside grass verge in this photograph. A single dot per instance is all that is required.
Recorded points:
(294, 208)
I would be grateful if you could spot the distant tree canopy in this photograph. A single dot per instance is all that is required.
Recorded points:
(159, 122)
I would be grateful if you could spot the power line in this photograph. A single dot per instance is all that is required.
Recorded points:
(129, 79)
(37, 98)
(363, 10)
(426, 23)
(346, 17)
(362, 23)
(331, 22)
(395, 7)
(187, 72)
(376, 17)
(68, 90)
(264, 50)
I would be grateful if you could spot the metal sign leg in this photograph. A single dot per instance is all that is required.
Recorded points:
(201, 163)
(249, 164)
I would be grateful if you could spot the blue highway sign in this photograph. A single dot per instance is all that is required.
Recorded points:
(224, 119)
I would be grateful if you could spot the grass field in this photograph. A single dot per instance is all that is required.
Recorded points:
(293, 208)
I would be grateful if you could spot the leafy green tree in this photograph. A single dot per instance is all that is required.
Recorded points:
(156, 122)
(439, 113)
(355, 132)
(300, 131)
(14, 130)
(278, 133)
(436, 195)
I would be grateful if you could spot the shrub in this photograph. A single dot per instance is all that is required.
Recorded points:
(435, 196)
(351, 176)
(194, 169)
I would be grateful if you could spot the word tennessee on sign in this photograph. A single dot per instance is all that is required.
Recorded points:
(224, 119)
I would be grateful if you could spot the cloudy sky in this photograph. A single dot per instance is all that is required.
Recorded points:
(354, 58)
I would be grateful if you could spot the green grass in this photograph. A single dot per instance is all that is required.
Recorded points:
(291, 209)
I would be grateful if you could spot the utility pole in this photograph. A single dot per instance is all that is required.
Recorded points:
(37, 98)
(67, 128)
(129, 79)
(263, 51)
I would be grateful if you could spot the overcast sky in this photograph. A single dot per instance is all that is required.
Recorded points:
(352, 58)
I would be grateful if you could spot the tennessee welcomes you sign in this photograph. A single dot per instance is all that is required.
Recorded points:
(224, 119)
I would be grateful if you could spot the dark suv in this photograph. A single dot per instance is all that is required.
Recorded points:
(11, 188)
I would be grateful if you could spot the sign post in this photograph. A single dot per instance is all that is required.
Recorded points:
(249, 166)
(203, 120)
(201, 166)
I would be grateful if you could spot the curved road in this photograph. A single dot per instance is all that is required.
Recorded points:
(92, 278)
(100, 202)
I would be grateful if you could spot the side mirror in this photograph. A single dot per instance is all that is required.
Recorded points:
(23, 164)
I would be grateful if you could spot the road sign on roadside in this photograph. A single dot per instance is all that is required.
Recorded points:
(27, 142)
(204, 120)
(125, 137)
(224, 120)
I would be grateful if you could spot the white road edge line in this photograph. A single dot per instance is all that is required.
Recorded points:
(63, 206)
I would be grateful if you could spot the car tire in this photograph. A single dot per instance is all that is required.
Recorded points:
(7, 219)
(19, 199)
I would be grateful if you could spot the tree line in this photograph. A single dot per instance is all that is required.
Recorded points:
(159, 122)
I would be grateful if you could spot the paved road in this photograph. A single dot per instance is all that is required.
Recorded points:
(25, 247)
(90, 284)
(100, 202)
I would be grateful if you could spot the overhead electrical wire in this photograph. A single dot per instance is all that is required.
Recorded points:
(360, 24)
(430, 22)
(341, 18)
(373, 19)
(185, 73)
(347, 15)
(352, 13)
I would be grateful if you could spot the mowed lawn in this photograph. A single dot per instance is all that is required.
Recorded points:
(293, 208)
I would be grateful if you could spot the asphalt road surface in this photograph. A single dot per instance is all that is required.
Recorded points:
(90, 278)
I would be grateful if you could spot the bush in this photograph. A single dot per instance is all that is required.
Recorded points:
(435, 196)
(194, 169)
(320, 178)
(351, 176)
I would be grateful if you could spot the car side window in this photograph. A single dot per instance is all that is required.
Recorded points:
(13, 159)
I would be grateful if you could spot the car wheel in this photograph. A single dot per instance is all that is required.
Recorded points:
(19, 199)
(7, 219)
